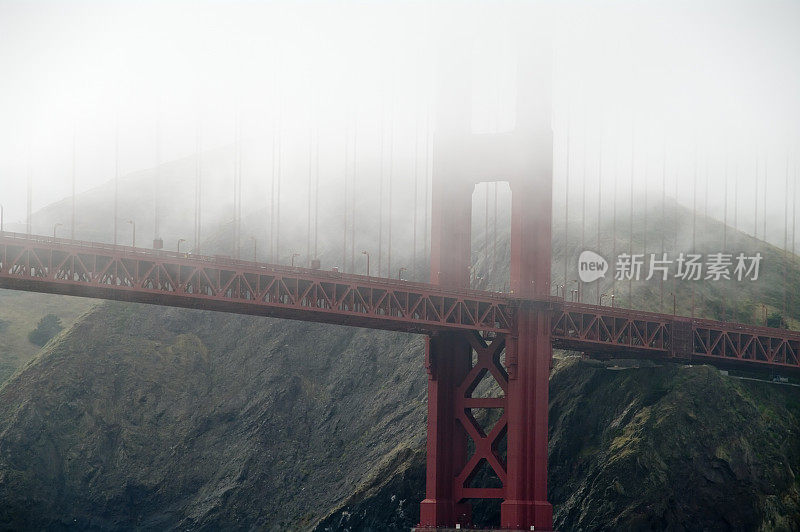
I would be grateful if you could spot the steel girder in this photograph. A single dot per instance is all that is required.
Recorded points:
(605, 331)
(90, 269)
(218, 283)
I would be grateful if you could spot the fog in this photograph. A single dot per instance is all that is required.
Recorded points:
(684, 99)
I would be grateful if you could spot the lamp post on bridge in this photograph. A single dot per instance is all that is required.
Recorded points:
(612, 300)
(255, 248)
(133, 240)
(293, 256)
(56, 226)
(574, 291)
(364, 252)
(674, 303)
(180, 241)
(400, 273)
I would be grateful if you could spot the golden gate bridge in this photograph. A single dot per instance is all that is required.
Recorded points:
(471, 334)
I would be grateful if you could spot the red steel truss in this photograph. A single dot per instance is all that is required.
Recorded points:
(88, 269)
(606, 332)
(219, 283)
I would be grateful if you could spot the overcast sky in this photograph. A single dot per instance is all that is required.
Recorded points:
(713, 82)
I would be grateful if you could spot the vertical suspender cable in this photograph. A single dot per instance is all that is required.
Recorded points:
(493, 277)
(380, 190)
(308, 192)
(278, 172)
(74, 177)
(694, 217)
(630, 212)
(725, 225)
(755, 199)
(427, 176)
(271, 228)
(705, 231)
(353, 196)
(239, 194)
(28, 225)
(416, 199)
(316, 193)
(198, 170)
(614, 216)
(725, 209)
(766, 166)
(346, 203)
(239, 190)
(794, 211)
(485, 229)
(599, 197)
(736, 198)
(390, 185)
(675, 208)
(235, 236)
(566, 211)
(157, 178)
(583, 206)
(785, 235)
(116, 176)
(662, 230)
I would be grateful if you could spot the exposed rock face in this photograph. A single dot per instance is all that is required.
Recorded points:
(651, 448)
(164, 418)
(672, 447)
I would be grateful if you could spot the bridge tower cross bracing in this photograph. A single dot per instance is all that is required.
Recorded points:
(523, 157)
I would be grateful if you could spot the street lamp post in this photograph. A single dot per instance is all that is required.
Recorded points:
(367, 254)
(612, 300)
(764, 308)
(293, 256)
(255, 248)
(577, 292)
(56, 226)
(133, 239)
(400, 273)
(180, 241)
(674, 303)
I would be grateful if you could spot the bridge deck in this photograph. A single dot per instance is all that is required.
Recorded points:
(89, 269)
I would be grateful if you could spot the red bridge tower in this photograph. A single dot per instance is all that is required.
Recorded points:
(457, 447)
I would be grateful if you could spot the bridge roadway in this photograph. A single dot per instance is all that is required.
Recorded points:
(90, 269)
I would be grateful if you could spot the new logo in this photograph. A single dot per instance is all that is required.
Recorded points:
(591, 266)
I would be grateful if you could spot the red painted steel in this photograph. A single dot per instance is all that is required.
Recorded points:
(616, 332)
(88, 269)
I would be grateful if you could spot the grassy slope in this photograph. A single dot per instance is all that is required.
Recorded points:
(19, 314)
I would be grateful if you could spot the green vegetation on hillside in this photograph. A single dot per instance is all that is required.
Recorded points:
(45, 330)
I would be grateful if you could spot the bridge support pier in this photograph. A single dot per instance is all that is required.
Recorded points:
(447, 360)
(528, 357)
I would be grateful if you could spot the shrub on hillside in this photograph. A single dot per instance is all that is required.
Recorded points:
(48, 327)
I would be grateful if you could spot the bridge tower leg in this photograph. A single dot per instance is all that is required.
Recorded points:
(447, 358)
